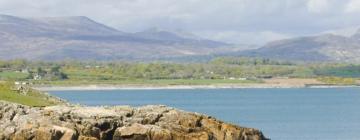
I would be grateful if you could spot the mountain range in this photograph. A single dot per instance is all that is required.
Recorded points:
(326, 47)
(80, 38)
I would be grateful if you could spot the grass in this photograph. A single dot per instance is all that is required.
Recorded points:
(13, 75)
(33, 98)
(338, 80)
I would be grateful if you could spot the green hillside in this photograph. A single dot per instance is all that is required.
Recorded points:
(32, 98)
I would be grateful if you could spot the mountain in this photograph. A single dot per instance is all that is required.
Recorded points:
(161, 34)
(59, 38)
(178, 37)
(356, 35)
(326, 47)
(56, 26)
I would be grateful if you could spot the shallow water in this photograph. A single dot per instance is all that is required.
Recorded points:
(282, 114)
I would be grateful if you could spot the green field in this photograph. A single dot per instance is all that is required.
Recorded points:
(218, 71)
(13, 75)
(33, 98)
(338, 81)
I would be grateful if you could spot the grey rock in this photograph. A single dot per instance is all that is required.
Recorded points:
(67, 122)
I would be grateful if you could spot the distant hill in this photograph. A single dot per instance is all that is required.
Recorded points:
(356, 35)
(180, 37)
(59, 38)
(325, 47)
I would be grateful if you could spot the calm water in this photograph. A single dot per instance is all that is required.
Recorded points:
(282, 114)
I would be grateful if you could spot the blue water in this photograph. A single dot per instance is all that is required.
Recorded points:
(282, 114)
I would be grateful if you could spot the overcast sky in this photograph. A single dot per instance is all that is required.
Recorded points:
(236, 21)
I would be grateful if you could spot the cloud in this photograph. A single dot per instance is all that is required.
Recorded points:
(349, 31)
(222, 19)
(353, 6)
(318, 6)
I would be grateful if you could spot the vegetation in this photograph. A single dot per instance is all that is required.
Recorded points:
(338, 80)
(32, 98)
(339, 70)
(249, 61)
(9, 75)
(217, 71)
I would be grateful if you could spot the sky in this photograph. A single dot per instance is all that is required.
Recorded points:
(234, 21)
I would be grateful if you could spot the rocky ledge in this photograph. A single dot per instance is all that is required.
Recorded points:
(67, 122)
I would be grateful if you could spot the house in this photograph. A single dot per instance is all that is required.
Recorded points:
(37, 77)
(26, 70)
(242, 79)
(232, 78)
(24, 83)
(17, 83)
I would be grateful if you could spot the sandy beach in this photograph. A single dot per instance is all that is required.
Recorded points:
(152, 87)
(268, 83)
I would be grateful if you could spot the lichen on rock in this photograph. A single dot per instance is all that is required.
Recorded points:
(153, 122)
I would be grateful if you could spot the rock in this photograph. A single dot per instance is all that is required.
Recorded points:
(139, 131)
(87, 138)
(68, 122)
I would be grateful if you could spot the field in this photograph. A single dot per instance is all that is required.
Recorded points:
(13, 75)
(33, 98)
(232, 70)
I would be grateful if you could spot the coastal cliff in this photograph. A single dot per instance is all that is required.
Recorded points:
(67, 122)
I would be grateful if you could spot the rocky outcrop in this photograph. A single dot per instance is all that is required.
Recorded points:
(67, 122)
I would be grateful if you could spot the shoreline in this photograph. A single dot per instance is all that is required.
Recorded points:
(160, 87)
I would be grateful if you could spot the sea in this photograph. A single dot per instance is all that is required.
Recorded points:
(280, 113)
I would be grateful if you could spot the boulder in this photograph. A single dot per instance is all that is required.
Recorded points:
(67, 122)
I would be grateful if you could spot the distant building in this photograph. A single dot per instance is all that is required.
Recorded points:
(37, 77)
(26, 70)
(242, 79)
(24, 83)
(17, 83)
(232, 78)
